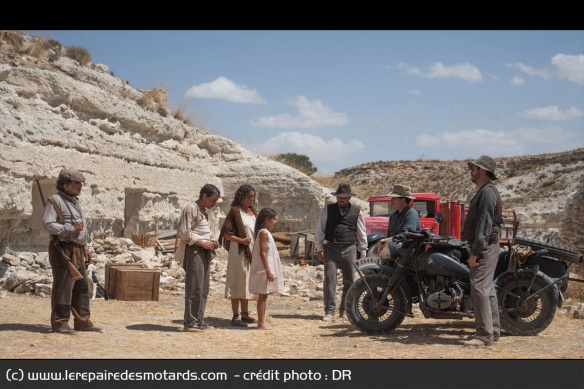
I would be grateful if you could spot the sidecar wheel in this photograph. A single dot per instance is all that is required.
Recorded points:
(372, 318)
(530, 317)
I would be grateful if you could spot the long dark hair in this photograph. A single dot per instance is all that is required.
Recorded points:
(241, 192)
(265, 213)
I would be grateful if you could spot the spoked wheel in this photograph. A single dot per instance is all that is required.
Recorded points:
(370, 315)
(522, 316)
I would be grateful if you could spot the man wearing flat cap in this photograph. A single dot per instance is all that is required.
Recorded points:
(403, 218)
(64, 219)
(481, 230)
(339, 234)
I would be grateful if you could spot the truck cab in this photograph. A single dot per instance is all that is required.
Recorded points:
(380, 208)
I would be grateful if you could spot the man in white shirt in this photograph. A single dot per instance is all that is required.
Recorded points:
(198, 248)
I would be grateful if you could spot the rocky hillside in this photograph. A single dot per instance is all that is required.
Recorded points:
(142, 161)
(543, 189)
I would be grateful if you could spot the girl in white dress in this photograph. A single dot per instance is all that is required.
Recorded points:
(265, 274)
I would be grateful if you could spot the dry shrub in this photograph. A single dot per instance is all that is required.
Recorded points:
(13, 38)
(15, 103)
(155, 95)
(327, 182)
(183, 114)
(146, 100)
(79, 54)
(38, 48)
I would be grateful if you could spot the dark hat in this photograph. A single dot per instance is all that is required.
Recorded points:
(485, 163)
(70, 175)
(344, 190)
(401, 191)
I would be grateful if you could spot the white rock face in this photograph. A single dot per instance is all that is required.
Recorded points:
(141, 165)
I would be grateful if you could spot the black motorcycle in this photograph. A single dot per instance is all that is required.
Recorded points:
(432, 271)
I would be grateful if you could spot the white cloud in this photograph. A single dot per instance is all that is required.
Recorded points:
(315, 147)
(501, 143)
(463, 71)
(552, 113)
(570, 67)
(545, 74)
(517, 81)
(224, 89)
(311, 114)
(415, 92)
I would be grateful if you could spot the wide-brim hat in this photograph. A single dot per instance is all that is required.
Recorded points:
(344, 190)
(485, 163)
(401, 191)
(70, 175)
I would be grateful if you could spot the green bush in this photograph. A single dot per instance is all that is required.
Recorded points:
(297, 161)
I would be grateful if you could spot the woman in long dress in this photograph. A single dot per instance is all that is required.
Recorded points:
(236, 236)
(265, 276)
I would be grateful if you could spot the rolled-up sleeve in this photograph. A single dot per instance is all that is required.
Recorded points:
(52, 225)
(185, 225)
(319, 232)
(361, 234)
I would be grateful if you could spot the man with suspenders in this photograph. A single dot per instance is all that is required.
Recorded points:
(64, 219)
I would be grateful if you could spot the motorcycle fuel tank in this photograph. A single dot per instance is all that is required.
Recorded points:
(439, 264)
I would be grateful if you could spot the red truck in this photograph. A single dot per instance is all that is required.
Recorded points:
(427, 204)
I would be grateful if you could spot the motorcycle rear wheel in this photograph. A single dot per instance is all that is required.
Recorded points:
(525, 317)
(372, 318)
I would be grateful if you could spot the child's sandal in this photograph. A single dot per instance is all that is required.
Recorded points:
(247, 318)
(236, 322)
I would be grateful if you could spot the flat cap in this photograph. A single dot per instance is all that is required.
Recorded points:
(70, 175)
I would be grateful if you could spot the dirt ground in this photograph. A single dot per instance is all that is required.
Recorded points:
(153, 330)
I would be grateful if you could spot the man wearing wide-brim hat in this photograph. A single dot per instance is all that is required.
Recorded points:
(481, 231)
(403, 218)
(339, 234)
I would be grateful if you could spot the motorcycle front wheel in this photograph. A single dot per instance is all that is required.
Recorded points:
(519, 316)
(370, 315)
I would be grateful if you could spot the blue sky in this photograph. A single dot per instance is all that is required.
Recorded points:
(346, 97)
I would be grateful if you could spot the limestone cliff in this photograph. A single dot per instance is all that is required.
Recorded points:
(142, 165)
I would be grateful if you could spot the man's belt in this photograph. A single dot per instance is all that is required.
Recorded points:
(70, 243)
(342, 245)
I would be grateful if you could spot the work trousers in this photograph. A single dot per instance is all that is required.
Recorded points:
(484, 295)
(69, 296)
(337, 257)
(197, 275)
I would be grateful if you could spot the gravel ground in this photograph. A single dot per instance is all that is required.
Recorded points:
(153, 330)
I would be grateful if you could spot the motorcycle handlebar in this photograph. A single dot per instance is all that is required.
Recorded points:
(411, 235)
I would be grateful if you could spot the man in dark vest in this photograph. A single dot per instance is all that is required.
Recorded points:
(481, 231)
(340, 232)
(64, 218)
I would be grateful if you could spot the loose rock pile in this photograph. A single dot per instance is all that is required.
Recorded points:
(30, 272)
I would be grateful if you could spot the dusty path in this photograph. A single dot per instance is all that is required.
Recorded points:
(153, 330)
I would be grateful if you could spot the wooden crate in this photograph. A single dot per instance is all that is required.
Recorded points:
(145, 240)
(110, 275)
(136, 284)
